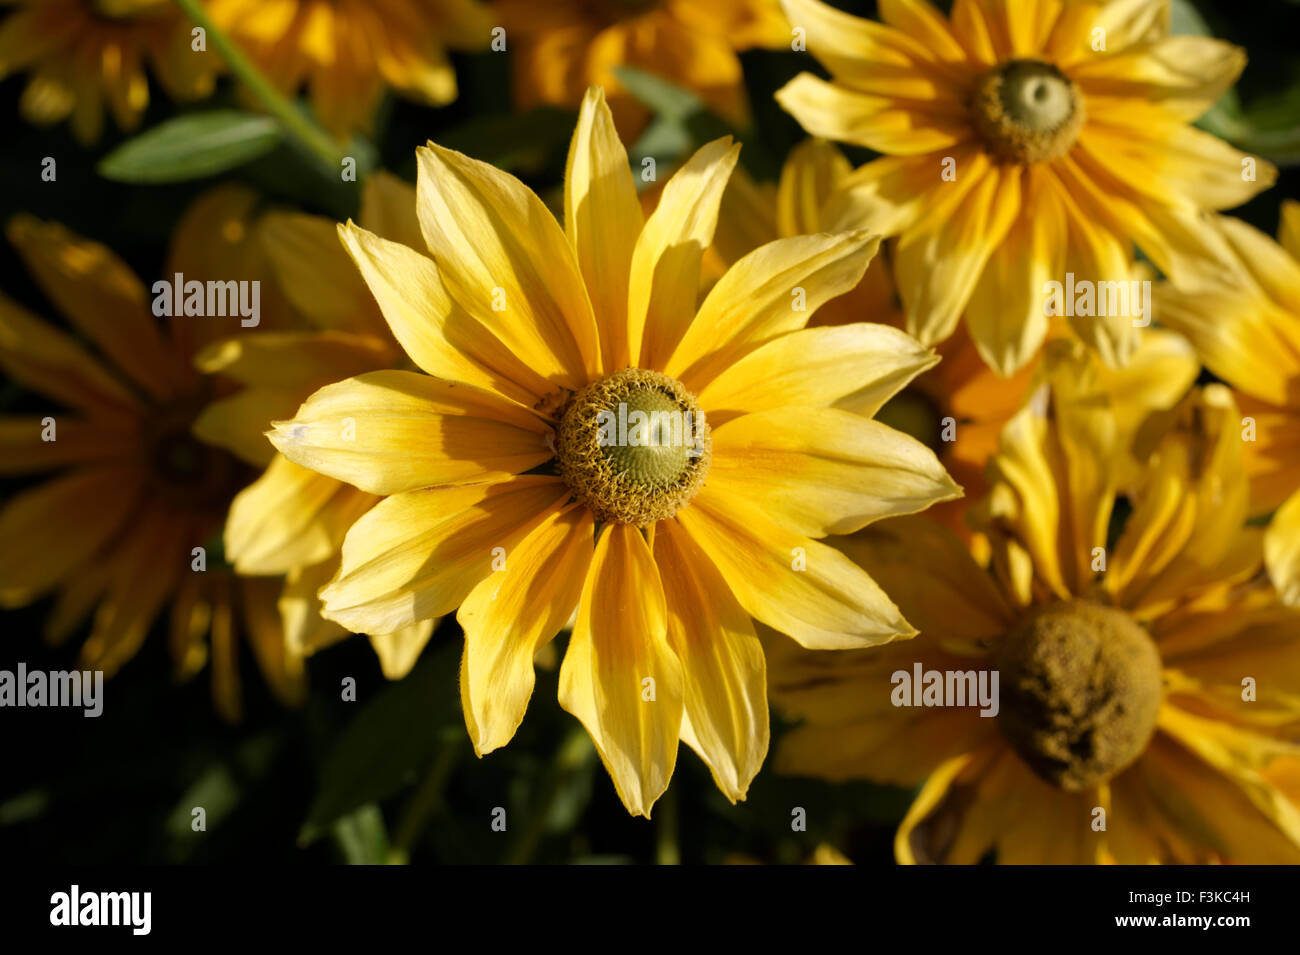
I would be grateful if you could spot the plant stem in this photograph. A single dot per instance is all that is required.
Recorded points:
(422, 804)
(311, 136)
(573, 754)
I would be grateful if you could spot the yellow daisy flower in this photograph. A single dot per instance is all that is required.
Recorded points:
(114, 531)
(347, 52)
(560, 48)
(1147, 687)
(85, 55)
(1023, 143)
(1247, 330)
(523, 481)
(291, 521)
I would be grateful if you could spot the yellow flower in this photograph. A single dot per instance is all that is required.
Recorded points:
(291, 521)
(84, 55)
(560, 48)
(1025, 142)
(1148, 686)
(347, 54)
(1247, 330)
(114, 531)
(510, 493)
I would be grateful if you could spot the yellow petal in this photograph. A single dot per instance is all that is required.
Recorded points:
(822, 471)
(1288, 232)
(47, 531)
(290, 517)
(434, 330)
(505, 260)
(1006, 315)
(938, 586)
(619, 642)
(37, 355)
(723, 669)
(882, 123)
(602, 218)
(665, 276)
(1184, 75)
(391, 431)
(1282, 550)
(102, 298)
(940, 259)
(856, 367)
(794, 584)
(812, 172)
(417, 555)
(315, 274)
(399, 651)
(769, 292)
(305, 630)
(514, 612)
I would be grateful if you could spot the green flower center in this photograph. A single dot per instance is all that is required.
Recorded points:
(1081, 685)
(1027, 111)
(634, 447)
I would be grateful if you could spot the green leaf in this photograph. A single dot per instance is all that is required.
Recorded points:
(362, 837)
(665, 99)
(390, 741)
(192, 147)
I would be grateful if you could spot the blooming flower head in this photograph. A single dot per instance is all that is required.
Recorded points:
(125, 527)
(1146, 704)
(1024, 143)
(348, 54)
(1247, 330)
(85, 55)
(291, 520)
(560, 48)
(591, 442)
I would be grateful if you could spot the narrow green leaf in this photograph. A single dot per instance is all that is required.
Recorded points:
(192, 147)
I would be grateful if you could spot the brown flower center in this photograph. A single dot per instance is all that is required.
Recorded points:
(1081, 686)
(1027, 111)
(634, 447)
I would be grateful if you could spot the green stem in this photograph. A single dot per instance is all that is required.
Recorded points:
(666, 851)
(316, 140)
(422, 804)
(574, 753)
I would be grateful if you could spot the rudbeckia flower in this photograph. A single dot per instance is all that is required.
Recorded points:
(560, 48)
(348, 54)
(1146, 705)
(291, 521)
(85, 55)
(1247, 330)
(1025, 143)
(113, 532)
(591, 442)
(959, 406)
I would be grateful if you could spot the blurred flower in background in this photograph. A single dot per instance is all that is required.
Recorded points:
(347, 52)
(560, 48)
(84, 56)
(1247, 330)
(114, 533)
(1022, 142)
(1123, 650)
